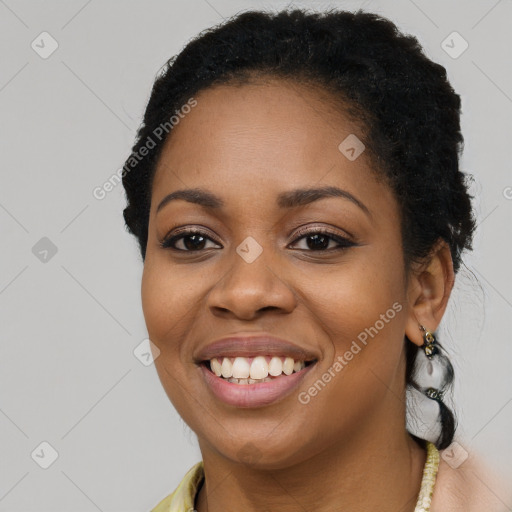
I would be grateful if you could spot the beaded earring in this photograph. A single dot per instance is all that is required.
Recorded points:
(431, 349)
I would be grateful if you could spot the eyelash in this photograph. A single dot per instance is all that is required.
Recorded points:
(344, 243)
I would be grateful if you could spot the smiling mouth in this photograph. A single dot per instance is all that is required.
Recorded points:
(254, 370)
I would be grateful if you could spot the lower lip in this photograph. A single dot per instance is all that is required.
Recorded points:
(253, 395)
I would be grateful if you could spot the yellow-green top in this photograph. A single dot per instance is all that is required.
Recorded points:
(183, 498)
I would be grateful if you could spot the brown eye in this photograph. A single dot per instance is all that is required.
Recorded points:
(193, 241)
(318, 240)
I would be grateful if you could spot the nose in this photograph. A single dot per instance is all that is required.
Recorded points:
(247, 290)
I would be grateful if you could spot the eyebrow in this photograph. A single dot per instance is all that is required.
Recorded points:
(289, 199)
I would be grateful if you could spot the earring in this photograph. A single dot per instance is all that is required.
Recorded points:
(429, 343)
(431, 349)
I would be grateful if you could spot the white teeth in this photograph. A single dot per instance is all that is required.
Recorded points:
(288, 366)
(259, 368)
(227, 368)
(241, 368)
(248, 381)
(216, 367)
(275, 367)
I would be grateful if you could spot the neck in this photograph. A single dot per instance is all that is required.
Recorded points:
(376, 468)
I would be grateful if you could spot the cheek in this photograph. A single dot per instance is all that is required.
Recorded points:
(168, 314)
(354, 296)
(362, 369)
(361, 308)
(167, 304)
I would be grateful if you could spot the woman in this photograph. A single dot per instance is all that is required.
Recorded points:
(301, 229)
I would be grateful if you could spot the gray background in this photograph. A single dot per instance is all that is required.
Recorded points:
(70, 323)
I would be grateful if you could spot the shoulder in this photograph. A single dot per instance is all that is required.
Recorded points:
(183, 497)
(465, 483)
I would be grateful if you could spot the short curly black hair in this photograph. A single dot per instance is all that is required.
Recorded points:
(408, 111)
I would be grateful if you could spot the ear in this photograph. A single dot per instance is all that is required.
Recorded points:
(429, 288)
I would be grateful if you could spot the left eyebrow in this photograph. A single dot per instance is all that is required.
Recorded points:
(304, 196)
(289, 199)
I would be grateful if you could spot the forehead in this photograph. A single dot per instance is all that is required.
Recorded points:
(261, 138)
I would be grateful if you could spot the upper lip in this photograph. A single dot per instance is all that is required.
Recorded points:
(252, 345)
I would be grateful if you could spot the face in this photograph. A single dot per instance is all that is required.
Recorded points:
(324, 273)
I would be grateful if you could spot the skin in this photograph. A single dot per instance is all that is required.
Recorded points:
(247, 144)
